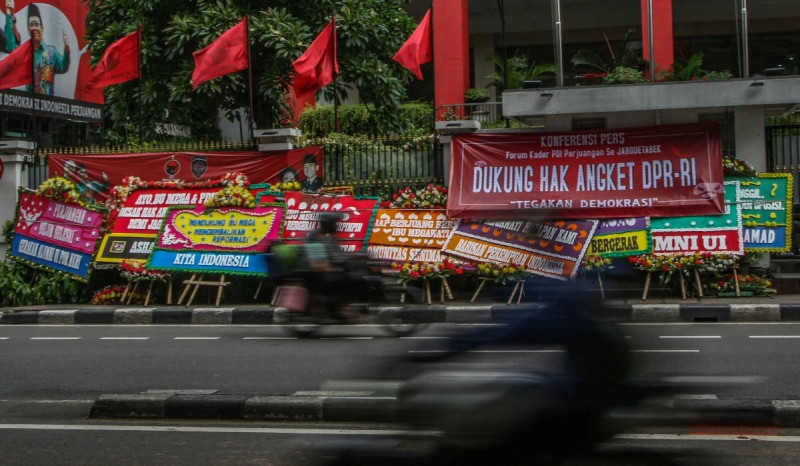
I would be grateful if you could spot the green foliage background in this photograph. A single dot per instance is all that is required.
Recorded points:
(369, 33)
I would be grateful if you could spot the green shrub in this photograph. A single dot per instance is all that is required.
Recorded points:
(24, 286)
(476, 96)
(358, 120)
(624, 75)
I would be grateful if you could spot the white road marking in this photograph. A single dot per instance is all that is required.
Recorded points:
(196, 338)
(774, 336)
(124, 338)
(55, 338)
(665, 351)
(423, 338)
(491, 351)
(347, 338)
(4, 338)
(269, 338)
(234, 430)
(689, 336)
(683, 437)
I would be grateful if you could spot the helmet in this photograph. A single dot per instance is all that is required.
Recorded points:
(327, 221)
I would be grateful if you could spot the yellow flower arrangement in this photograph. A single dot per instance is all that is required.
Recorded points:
(232, 196)
(502, 274)
(60, 189)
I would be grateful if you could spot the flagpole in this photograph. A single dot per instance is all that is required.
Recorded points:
(433, 64)
(33, 101)
(249, 77)
(335, 79)
(139, 71)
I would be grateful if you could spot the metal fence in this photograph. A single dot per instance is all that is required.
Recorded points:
(371, 166)
(383, 166)
(783, 152)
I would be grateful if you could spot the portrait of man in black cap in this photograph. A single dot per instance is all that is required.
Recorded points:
(48, 60)
(313, 182)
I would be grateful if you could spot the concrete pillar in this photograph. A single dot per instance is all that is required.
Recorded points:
(483, 55)
(446, 130)
(663, 41)
(450, 51)
(12, 156)
(750, 139)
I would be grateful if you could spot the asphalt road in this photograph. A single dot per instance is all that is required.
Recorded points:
(51, 373)
(46, 362)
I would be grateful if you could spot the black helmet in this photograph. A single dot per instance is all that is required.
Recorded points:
(327, 221)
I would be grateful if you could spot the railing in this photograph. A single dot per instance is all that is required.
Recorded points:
(488, 113)
(374, 167)
(783, 152)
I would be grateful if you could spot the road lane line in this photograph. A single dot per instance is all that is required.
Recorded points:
(269, 338)
(491, 351)
(665, 351)
(688, 336)
(4, 338)
(55, 338)
(124, 338)
(774, 336)
(196, 338)
(347, 338)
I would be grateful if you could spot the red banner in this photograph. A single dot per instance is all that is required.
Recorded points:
(650, 171)
(302, 217)
(95, 174)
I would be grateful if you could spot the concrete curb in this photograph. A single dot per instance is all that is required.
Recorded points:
(244, 407)
(457, 313)
(779, 413)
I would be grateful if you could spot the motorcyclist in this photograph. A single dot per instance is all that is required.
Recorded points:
(327, 265)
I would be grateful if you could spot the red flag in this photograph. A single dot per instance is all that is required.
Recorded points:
(226, 55)
(120, 63)
(317, 66)
(417, 50)
(17, 68)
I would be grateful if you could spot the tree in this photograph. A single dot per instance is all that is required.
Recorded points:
(369, 33)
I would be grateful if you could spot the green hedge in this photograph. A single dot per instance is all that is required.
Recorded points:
(415, 117)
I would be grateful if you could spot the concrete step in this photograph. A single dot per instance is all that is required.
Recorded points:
(786, 283)
(785, 265)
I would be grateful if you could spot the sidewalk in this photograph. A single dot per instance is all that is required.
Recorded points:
(484, 310)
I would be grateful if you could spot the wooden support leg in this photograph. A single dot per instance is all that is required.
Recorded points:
(647, 285)
(600, 282)
(447, 288)
(169, 290)
(736, 281)
(130, 297)
(403, 294)
(149, 293)
(699, 283)
(513, 292)
(125, 293)
(478, 291)
(220, 288)
(194, 292)
(428, 290)
(683, 285)
(521, 292)
(258, 289)
(186, 288)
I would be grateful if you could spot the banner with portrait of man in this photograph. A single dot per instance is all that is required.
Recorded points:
(57, 30)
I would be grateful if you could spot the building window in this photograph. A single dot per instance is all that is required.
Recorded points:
(726, 132)
(580, 124)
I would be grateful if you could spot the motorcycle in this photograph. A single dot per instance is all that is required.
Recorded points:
(307, 309)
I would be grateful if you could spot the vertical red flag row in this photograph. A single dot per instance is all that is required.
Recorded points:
(317, 66)
(417, 50)
(120, 62)
(17, 68)
(226, 55)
